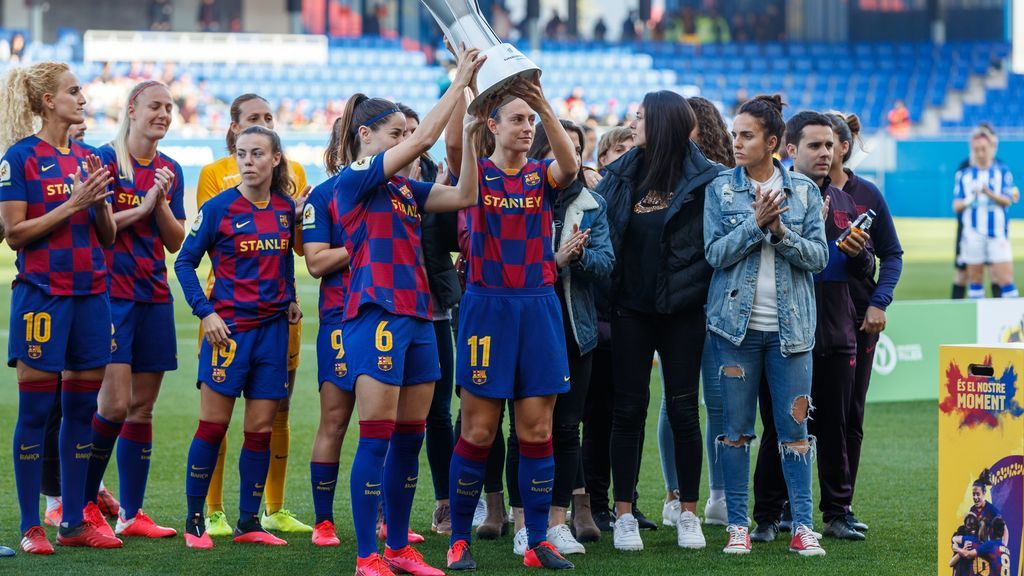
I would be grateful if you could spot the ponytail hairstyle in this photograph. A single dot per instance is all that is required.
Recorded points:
(332, 155)
(22, 99)
(485, 141)
(542, 146)
(715, 141)
(360, 110)
(768, 110)
(236, 116)
(125, 169)
(281, 180)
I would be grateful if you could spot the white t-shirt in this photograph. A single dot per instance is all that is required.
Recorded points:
(764, 314)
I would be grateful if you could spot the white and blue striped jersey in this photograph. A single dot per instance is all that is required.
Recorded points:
(983, 215)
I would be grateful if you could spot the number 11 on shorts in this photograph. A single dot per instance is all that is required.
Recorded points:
(476, 346)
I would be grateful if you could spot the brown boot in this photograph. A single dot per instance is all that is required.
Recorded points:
(583, 524)
(495, 524)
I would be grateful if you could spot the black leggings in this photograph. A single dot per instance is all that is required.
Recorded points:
(565, 436)
(679, 340)
(440, 434)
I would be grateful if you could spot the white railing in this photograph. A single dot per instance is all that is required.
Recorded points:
(228, 48)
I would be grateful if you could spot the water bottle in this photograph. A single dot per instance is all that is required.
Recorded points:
(862, 223)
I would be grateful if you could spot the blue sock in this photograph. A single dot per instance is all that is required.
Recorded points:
(401, 472)
(324, 478)
(366, 480)
(253, 463)
(202, 459)
(466, 474)
(975, 290)
(34, 399)
(78, 404)
(134, 448)
(1008, 291)
(536, 480)
(104, 435)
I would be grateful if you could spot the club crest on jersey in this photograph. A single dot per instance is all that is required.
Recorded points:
(340, 369)
(283, 219)
(5, 171)
(308, 216)
(479, 377)
(35, 351)
(384, 363)
(198, 223)
(219, 375)
(532, 179)
(841, 218)
(406, 191)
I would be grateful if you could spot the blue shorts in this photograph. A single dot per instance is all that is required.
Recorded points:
(254, 362)
(143, 335)
(55, 333)
(396, 350)
(332, 365)
(511, 343)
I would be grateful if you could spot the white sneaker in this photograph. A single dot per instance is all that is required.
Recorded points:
(805, 543)
(481, 512)
(562, 539)
(715, 513)
(670, 513)
(739, 540)
(520, 542)
(688, 532)
(627, 533)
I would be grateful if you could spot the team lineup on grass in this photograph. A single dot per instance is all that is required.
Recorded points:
(759, 284)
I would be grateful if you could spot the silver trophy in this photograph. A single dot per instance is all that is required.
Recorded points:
(463, 23)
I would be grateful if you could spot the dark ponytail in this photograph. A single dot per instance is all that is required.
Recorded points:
(840, 127)
(281, 179)
(361, 110)
(236, 115)
(768, 110)
(332, 155)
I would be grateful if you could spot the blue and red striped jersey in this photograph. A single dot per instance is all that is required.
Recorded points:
(381, 221)
(250, 248)
(68, 261)
(321, 223)
(136, 260)
(510, 228)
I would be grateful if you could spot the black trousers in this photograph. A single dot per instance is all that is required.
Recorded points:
(830, 393)
(440, 438)
(50, 485)
(679, 340)
(855, 420)
(597, 431)
(565, 436)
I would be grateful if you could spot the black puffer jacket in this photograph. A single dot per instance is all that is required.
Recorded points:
(440, 237)
(683, 274)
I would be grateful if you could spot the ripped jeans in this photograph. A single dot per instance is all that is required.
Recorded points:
(789, 379)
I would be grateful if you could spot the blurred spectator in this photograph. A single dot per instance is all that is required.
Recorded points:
(17, 47)
(629, 27)
(555, 27)
(372, 22)
(501, 22)
(899, 120)
(712, 27)
(600, 30)
(209, 18)
(160, 14)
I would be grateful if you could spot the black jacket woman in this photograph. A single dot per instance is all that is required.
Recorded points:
(655, 196)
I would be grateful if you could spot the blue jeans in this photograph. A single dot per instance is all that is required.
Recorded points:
(714, 425)
(789, 380)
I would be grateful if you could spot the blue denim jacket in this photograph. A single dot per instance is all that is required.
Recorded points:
(578, 281)
(732, 245)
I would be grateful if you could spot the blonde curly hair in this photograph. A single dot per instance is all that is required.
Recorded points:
(21, 99)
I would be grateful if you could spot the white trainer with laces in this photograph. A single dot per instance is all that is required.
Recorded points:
(627, 533)
(688, 532)
(739, 540)
(715, 512)
(520, 542)
(480, 514)
(670, 512)
(562, 539)
(805, 542)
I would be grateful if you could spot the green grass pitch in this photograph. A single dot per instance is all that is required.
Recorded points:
(896, 495)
